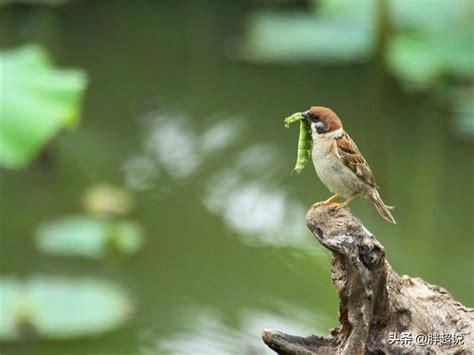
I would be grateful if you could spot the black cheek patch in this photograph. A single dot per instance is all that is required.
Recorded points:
(322, 127)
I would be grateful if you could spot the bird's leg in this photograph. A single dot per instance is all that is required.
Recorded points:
(345, 203)
(330, 199)
(327, 202)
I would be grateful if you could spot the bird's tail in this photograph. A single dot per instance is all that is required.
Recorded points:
(381, 207)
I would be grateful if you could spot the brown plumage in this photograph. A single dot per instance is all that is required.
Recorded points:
(353, 159)
(339, 163)
(328, 115)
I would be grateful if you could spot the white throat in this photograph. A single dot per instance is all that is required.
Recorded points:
(334, 134)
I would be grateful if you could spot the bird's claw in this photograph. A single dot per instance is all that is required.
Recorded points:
(338, 206)
(326, 202)
(319, 204)
(335, 206)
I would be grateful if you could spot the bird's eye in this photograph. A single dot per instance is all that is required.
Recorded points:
(315, 118)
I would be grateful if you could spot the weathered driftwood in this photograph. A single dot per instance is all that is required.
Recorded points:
(380, 312)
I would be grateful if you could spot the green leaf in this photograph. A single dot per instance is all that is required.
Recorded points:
(125, 236)
(432, 16)
(293, 38)
(362, 12)
(89, 237)
(414, 61)
(60, 308)
(465, 116)
(107, 201)
(37, 101)
(422, 58)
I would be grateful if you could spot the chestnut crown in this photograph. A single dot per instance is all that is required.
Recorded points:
(323, 118)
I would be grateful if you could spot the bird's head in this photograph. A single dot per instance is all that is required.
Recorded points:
(322, 120)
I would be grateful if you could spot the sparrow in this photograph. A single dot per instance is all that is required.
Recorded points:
(339, 163)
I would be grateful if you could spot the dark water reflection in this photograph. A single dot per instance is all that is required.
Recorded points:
(199, 138)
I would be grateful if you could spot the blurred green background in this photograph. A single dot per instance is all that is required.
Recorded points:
(146, 202)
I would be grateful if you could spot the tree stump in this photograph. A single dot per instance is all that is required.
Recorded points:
(380, 312)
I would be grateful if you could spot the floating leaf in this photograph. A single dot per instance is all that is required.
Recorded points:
(37, 101)
(89, 237)
(362, 12)
(106, 200)
(60, 308)
(420, 59)
(124, 236)
(414, 62)
(465, 117)
(293, 38)
(417, 15)
(11, 308)
(339, 31)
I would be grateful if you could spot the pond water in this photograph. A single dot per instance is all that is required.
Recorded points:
(197, 135)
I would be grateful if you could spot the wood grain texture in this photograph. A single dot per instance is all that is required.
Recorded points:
(375, 300)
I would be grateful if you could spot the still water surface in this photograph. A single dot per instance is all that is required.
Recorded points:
(198, 135)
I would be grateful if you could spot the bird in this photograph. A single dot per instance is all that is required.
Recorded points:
(339, 164)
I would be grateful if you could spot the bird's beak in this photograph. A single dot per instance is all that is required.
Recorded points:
(305, 115)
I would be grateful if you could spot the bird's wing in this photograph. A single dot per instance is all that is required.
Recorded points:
(353, 159)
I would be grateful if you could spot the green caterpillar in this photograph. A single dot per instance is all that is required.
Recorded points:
(304, 141)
